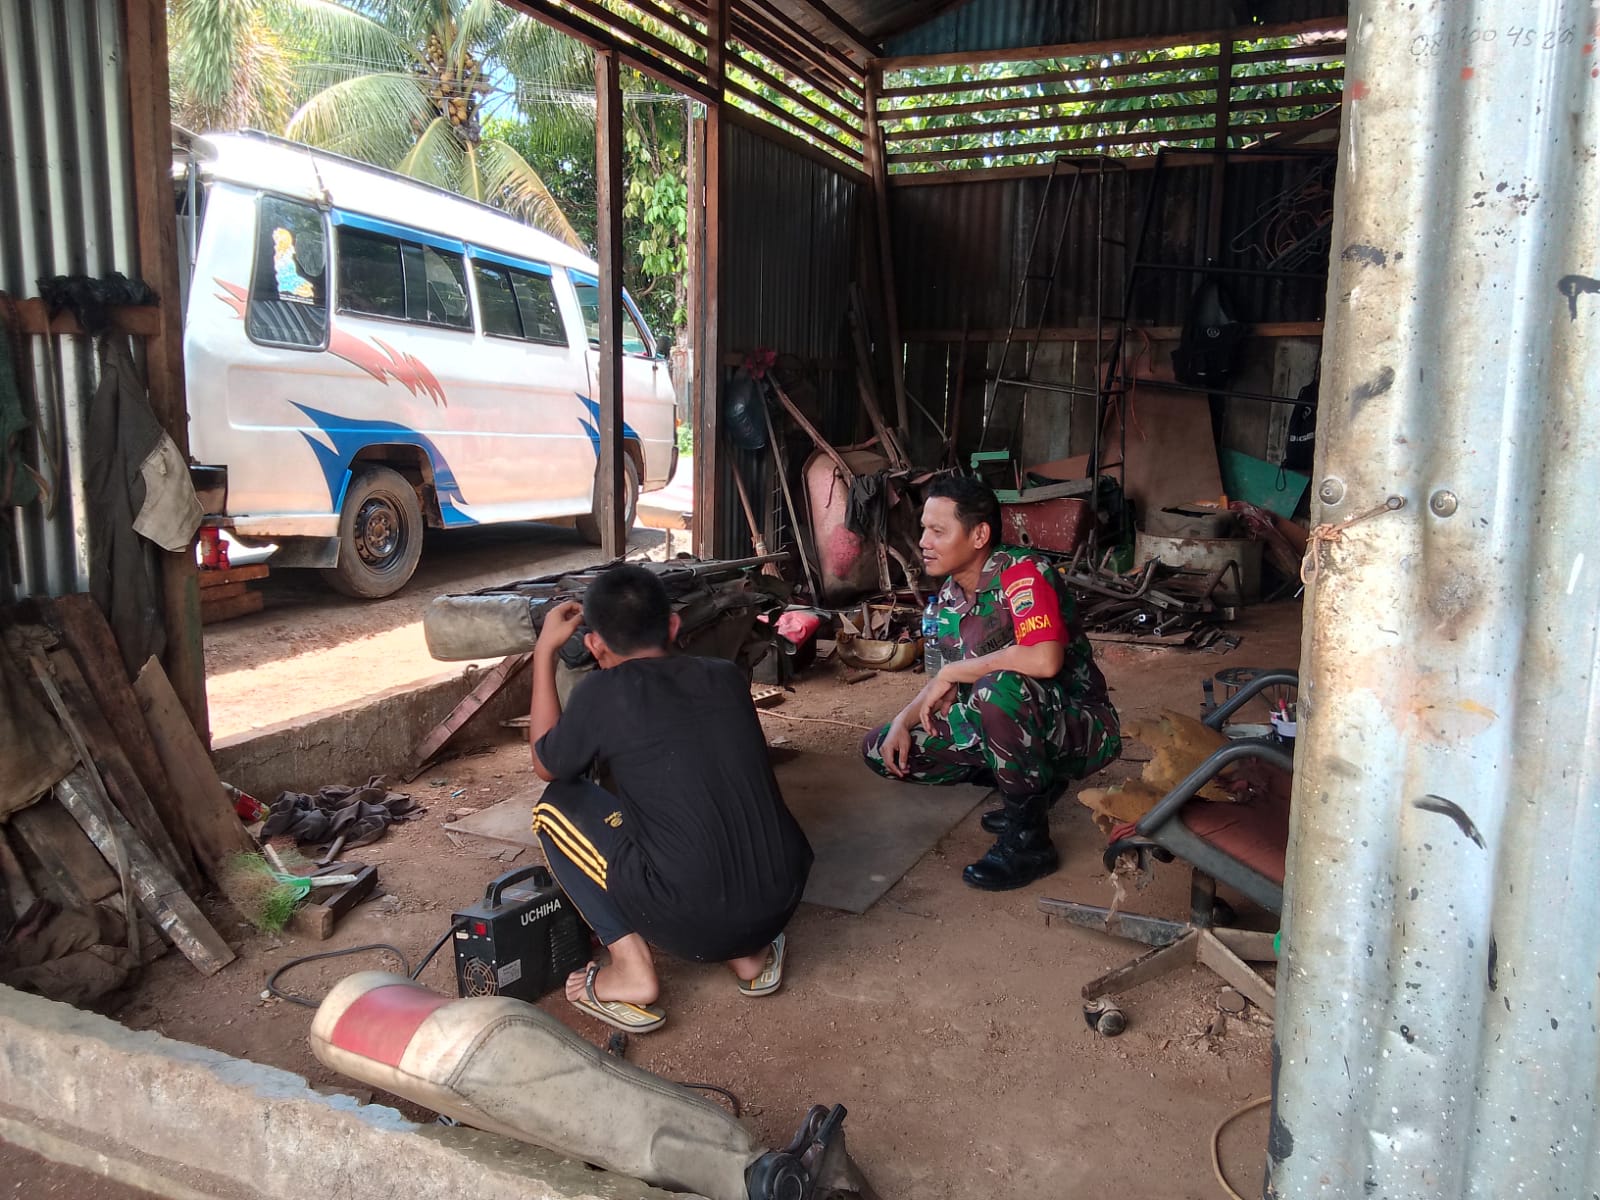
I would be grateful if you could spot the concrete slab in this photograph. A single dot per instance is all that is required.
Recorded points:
(185, 1122)
(375, 735)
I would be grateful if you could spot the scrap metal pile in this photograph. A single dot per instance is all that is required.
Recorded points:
(1158, 604)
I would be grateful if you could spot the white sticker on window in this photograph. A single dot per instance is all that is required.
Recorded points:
(510, 973)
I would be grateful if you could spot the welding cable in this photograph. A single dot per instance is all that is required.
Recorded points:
(405, 963)
(1216, 1139)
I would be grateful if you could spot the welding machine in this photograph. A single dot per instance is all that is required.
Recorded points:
(522, 940)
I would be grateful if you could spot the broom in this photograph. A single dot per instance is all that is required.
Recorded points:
(268, 887)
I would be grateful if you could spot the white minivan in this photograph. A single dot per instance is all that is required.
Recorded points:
(367, 355)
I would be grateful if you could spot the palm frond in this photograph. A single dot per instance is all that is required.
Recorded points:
(374, 117)
(438, 157)
(509, 182)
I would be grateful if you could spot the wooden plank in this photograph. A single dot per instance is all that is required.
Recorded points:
(151, 141)
(228, 609)
(319, 918)
(708, 207)
(751, 67)
(201, 808)
(84, 630)
(158, 893)
(69, 859)
(778, 135)
(34, 317)
(496, 678)
(88, 724)
(18, 888)
(853, 38)
(603, 38)
(216, 579)
(1096, 70)
(210, 595)
(1252, 945)
(878, 171)
(1234, 970)
(1145, 968)
(794, 123)
(610, 188)
(1110, 46)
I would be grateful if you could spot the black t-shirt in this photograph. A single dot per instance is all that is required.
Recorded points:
(704, 831)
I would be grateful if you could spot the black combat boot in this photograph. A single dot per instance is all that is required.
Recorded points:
(1023, 852)
(994, 821)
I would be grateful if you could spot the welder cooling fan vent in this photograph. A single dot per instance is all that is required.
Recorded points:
(477, 978)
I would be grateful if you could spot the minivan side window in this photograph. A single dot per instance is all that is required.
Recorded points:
(518, 304)
(384, 276)
(589, 302)
(289, 290)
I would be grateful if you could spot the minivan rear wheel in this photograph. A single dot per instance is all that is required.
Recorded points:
(380, 535)
(589, 523)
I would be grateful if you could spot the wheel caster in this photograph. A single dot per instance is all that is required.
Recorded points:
(1104, 1017)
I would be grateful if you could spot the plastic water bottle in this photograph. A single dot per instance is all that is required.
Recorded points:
(931, 662)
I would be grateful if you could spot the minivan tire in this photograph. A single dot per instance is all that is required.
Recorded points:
(589, 524)
(380, 535)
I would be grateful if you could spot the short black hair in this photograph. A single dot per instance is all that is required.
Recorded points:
(629, 608)
(976, 503)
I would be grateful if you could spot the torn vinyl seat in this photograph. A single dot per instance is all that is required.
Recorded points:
(504, 1066)
(1243, 845)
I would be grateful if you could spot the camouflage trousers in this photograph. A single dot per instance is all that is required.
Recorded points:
(1023, 731)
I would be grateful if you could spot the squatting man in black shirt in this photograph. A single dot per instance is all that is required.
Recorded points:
(691, 849)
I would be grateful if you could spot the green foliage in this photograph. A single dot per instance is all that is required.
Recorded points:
(1119, 104)
(686, 439)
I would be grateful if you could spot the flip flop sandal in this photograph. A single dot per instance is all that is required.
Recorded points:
(619, 1014)
(771, 977)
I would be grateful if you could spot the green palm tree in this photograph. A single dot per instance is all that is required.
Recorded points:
(404, 84)
(433, 73)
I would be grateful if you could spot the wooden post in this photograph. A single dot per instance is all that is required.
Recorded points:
(145, 22)
(708, 367)
(878, 171)
(609, 480)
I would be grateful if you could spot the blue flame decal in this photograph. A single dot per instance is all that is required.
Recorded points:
(350, 435)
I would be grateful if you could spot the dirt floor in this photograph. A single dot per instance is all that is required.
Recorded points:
(947, 1020)
(311, 648)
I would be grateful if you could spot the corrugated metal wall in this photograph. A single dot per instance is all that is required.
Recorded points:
(1003, 24)
(789, 255)
(1436, 1014)
(961, 249)
(66, 207)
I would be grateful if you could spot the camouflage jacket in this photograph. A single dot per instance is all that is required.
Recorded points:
(1021, 600)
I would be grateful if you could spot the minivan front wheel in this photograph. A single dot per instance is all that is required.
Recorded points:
(380, 535)
(589, 523)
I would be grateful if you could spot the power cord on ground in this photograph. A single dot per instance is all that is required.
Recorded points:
(1216, 1140)
(405, 963)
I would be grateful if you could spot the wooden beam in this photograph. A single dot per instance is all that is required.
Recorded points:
(763, 33)
(903, 136)
(35, 319)
(494, 681)
(1050, 100)
(789, 119)
(852, 37)
(599, 37)
(1013, 82)
(609, 191)
(766, 78)
(1133, 162)
(1062, 146)
(1111, 46)
(151, 139)
(625, 31)
(878, 173)
(834, 84)
(708, 374)
(1156, 333)
(790, 32)
(793, 142)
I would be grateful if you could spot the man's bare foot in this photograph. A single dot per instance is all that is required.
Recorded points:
(630, 976)
(751, 965)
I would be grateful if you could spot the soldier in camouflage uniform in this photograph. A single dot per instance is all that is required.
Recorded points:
(1019, 699)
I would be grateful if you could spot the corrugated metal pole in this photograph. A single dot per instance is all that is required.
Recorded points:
(609, 479)
(1436, 1015)
(708, 365)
